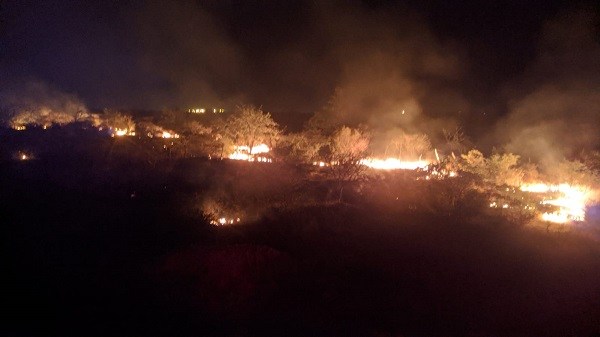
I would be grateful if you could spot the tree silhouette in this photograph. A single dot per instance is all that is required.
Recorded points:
(250, 127)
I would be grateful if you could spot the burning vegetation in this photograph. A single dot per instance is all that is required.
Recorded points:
(346, 156)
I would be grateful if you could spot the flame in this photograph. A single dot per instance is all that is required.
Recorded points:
(243, 152)
(260, 148)
(224, 221)
(571, 203)
(394, 164)
(122, 132)
(169, 134)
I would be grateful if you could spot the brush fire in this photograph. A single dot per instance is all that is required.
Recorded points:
(224, 221)
(570, 201)
(256, 153)
(553, 202)
(122, 132)
(394, 164)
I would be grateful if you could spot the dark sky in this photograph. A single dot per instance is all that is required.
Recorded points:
(472, 63)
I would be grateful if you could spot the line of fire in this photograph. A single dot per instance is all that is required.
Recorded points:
(340, 154)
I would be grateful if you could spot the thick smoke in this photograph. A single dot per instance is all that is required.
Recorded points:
(395, 77)
(34, 102)
(189, 52)
(395, 70)
(555, 110)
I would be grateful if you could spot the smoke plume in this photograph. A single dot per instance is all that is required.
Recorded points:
(34, 102)
(555, 110)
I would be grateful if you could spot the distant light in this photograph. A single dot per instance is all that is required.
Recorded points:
(23, 156)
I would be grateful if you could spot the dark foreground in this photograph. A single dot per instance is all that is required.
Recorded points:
(96, 245)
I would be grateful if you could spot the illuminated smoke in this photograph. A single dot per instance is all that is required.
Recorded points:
(35, 103)
(554, 108)
(155, 131)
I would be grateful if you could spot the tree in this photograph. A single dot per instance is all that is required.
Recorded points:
(117, 120)
(197, 129)
(250, 127)
(347, 147)
(329, 118)
(409, 146)
(455, 140)
(306, 146)
(503, 169)
(498, 169)
(198, 138)
(474, 162)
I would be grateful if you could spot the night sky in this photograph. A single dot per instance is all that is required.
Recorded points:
(490, 66)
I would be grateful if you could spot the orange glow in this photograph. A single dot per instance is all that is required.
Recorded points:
(394, 164)
(243, 152)
(23, 156)
(224, 221)
(571, 202)
(122, 132)
(169, 134)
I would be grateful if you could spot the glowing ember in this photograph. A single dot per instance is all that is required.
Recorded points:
(394, 164)
(571, 203)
